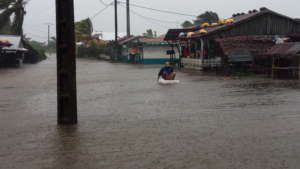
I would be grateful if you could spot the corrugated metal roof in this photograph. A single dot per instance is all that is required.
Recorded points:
(158, 39)
(146, 40)
(124, 41)
(14, 40)
(292, 48)
(173, 34)
(239, 20)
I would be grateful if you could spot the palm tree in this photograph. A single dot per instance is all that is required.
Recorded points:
(12, 16)
(84, 30)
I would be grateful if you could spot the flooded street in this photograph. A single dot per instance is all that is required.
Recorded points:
(128, 121)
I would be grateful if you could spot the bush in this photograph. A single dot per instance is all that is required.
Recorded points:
(92, 49)
(36, 52)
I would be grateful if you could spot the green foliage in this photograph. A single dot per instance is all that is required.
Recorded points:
(36, 51)
(150, 33)
(206, 17)
(15, 10)
(83, 30)
(90, 46)
(92, 50)
(187, 24)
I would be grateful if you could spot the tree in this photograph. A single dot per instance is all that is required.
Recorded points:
(90, 44)
(206, 17)
(187, 24)
(149, 33)
(12, 16)
(84, 30)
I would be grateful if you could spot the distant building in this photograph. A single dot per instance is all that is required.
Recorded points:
(13, 54)
(285, 60)
(239, 40)
(144, 50)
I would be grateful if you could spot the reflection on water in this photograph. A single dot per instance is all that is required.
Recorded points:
(128, 121)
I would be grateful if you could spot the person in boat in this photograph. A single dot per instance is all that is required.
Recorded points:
(167, 72)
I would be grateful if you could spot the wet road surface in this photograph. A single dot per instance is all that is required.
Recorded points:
(128, 121)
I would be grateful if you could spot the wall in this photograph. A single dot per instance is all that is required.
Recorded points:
(155, 54)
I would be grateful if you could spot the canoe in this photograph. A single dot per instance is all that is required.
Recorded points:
(166, 82)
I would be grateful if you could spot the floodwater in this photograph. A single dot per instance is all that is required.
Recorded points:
(128, 121)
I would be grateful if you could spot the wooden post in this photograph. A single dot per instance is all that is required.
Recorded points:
(273, 62)
(66, 63)
(299, 67)
(116, 49)
(128, 17)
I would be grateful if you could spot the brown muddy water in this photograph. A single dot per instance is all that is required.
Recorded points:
(128, 121)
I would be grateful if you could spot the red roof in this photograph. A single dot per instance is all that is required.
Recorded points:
(143, 39)
(158, 39)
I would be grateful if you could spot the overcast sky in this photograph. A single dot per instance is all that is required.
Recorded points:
(41, 12)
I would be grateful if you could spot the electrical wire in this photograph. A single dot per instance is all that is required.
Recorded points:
(154, 19)
(148, 19)
(159, 10)
(99, 12)
(103, 3)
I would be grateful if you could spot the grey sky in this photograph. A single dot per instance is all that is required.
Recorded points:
(40, 12)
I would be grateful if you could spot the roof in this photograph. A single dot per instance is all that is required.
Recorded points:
(146, 40)
(239, 19)
(173, 34)
(284, 49)
(128, 39)
(154, 41)
(14, 40)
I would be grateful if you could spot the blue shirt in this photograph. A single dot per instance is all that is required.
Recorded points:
(165, 70)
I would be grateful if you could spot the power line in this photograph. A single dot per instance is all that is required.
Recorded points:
(147, 18)
(103, 3)
(99, 12)
(160, 10)
(158, 20)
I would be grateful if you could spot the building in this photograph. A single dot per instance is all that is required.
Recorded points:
(234, 41)
(285, 60)
(145, 50)
(13, 54)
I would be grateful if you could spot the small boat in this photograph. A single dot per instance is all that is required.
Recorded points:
(167, 82)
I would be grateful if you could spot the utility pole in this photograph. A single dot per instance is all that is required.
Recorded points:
(66, 63)
(116, 31)
(116, 20)
(48, 34)
(49, 28)
(128, 17)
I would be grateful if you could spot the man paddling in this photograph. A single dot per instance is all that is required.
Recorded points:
(167, 72)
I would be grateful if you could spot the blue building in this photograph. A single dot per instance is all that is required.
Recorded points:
(144, 50)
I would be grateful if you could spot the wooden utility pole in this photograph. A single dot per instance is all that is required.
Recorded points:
(66, 63)
(48, 34)
(128, 17)
(49, 29)
(298, 66)
(116, 31)
(116, 20)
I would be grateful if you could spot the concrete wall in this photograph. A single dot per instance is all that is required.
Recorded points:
(155, 54)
